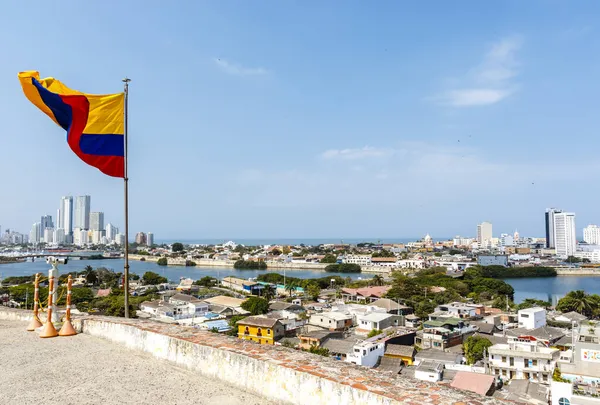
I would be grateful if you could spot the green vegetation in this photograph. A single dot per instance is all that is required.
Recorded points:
(177, 247)
(383, 253)
(580, 302)
(474, 347)
(557, 375)
(151, 278)
(18, 280)
(323, 282)
(343, 268)
(206, 281)
(313, 291)
(374, 332)
(250, 265)
(256, 305)
(509, 272)
(162, 261)
(573, 259)
(531, 302)
(321, 351)
(190, 263)
(329, 258)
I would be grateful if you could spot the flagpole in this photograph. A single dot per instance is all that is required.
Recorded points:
(126, 184)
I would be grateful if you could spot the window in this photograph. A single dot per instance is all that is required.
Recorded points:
(246, 331)
(564, 401)
(503, 359)
(524, 315)
(534, 362)
(268, 331)
(259, 333)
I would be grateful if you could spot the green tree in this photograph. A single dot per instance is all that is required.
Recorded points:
(206, 281)
(313, 291)
(474, 347)
(403, 287)
(377, 279)
(374, 332)
(501, 302)
(268, 292)
(256, 305)
(290, 288)
(177, 247)
(329, 258)
(321, 351)
(424, 308)
(163, 261)
(152, 278)
(578, 301)
(531, 302)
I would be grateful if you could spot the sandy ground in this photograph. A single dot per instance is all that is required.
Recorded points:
(87, 370)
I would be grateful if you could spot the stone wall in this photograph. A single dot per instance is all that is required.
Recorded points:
(275, 372)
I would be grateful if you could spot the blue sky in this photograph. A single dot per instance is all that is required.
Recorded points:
(314, 119)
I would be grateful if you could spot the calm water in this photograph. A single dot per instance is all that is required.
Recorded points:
(173, 273)
(552, 288)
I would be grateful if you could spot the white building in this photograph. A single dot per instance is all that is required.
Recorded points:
(96, 221)
(97, 237)
(366, 353)
(81, 216)
(120, 239)
(507, 240)
(111, 232)
(35, 235)
(484, 233)
(523, 360)
(149, 239)
(81, 237)
(65, 215)
(591, 234)
(59, 236)
(565, 238)
(460, 241)
(532, 318)
(592, 255)
(49, 235)
(363, 260)
(332, 320)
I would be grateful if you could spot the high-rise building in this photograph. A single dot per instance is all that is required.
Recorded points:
(140, 238)
(97, 221)
(120, 239)
(550, 213)
(65, 216)
(591, 234)
(49, 235)
(111, 232)
(565, 238)
(507, 240)
(81, 214)
(149, 239)
(484, 233)
(35, 235)
(81, 237)
(46, 222)
(59, 236)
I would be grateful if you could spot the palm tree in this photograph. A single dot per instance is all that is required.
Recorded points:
(268, 292)
(580, 302)
(377, 280)
(290, 288)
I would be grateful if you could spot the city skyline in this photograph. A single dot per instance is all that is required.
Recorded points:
(361, 123)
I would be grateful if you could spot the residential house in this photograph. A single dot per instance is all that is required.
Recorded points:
(245, 286)
(290, 321)
(384, 261)
(529, 360)
(159, 308)
(429, 370)
(412, 321)
(286, 306)
(340, 348)
(260, 329)
(331, 320)
(362, 260)
(392, 307)
(189, 305)
(365, 294)
(187, 285)
(525, 392)
(532, 318)
(582, 362)
(443, 333)
(447, 359)
(546, 335)
(460, 310)
(225, 305)
(317, 338)
(570, 318)
(481, 384)
(366, 353)
(404, 353)
(376, 321)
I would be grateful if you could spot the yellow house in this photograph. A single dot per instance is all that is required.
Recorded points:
(406, 353)
(262, 330)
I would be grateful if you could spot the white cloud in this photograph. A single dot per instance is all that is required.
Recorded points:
(356, 153)
(238, 70)
(491, 81)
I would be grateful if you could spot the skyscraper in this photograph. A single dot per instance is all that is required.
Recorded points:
(565, 238)
(96, 221)
(82, 212)
(59, 236)
(550, 213)
(46, 222)
(65, 219)
(140, 238)
(484, 233)
(591, 234)
(149, 239)
(111, 232)
(35, 235)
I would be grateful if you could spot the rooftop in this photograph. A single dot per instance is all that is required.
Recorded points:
(375, 316)
(225, 301)
(260, 321)
(531, 310)
(399, 350)
(474, 382)
(389, 305)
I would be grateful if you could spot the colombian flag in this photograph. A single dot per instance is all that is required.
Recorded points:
(94, 123)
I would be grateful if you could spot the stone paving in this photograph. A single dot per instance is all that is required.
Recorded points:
(395, 388)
